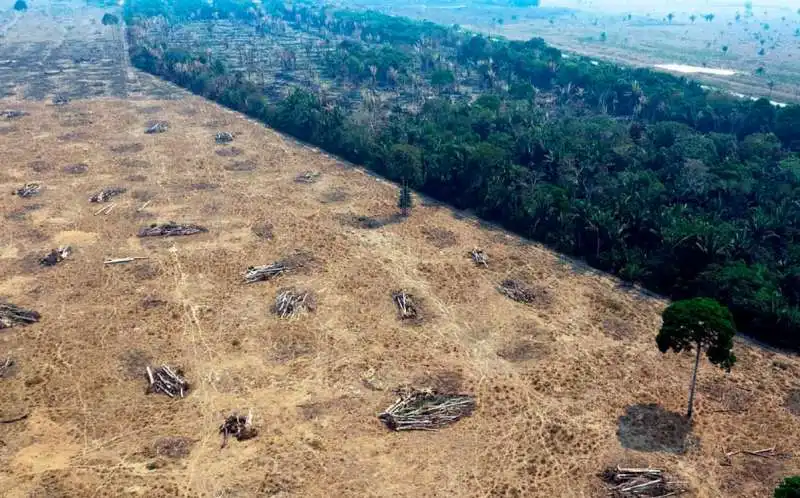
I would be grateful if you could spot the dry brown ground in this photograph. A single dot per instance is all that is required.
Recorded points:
(554, 380)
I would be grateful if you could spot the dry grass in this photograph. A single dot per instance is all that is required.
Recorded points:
(560, 388)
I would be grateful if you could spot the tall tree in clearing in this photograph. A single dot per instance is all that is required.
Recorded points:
(20, 6)
(703, 324)
(405, 202)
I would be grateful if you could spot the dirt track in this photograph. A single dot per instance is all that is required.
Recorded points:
(564, 386)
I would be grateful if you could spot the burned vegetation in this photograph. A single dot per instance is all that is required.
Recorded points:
(56, 256)
(239, 427)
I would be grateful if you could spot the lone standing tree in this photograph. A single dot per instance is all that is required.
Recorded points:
(699, 323)
(789, 488)
(405, 202)
(20, 6)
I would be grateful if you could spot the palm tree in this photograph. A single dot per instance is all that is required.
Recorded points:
(670, 17)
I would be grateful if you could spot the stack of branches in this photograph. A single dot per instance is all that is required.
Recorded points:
(60, 100)
(307, 177)
(290, 302)
(516, 290)
(405, 305)
(762, 453)
(12, 315)
(265, 272)
(479, 257)
(5, 367)
(28, 190)
(631, 483)
(107, 194)
(13, 113)
(223, 137)
(164, 380)
(170, 229)
(426, 410)
(56, 256)
(239, 427)
(157, 127)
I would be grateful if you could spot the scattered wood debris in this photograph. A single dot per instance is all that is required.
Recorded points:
(762, 453)
(105, 209)
(630, 483)
(11, 420)
(293, 262)
(164, 380)
(170, 229)
(13, 113)
(12, 315)
(223, 137)
(516, 290)
(426, 410)
(5, 367)
(117, 261)
(290, 302)
(157, 127)
(239, 427)
(308, 177)
(107, 194)
(28, 190)
(266, 272)
(479, 257)
(60, 100)
(405, 305)
(56, 256)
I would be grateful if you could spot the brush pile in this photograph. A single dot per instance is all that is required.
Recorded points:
(266, 272)
(239, 427)
(164, 380)
(307, 177)
(28, 190)
(56, 256)
(426, 410)
(517, 291)
(223, 137)
(290, 302)
(170, 229)
(632, 483)
(107, 194)
(13, 113)
(5, 367)
(479, 257)
(12, 315)
(157, 127)
(405, 305)
(60, 100)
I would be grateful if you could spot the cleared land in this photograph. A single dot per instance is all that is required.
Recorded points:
(565, 386)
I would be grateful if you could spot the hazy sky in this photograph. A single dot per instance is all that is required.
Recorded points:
(779, 7)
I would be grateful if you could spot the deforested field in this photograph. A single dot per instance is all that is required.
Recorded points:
(565, 385)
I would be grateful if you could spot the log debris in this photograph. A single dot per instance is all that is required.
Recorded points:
(157, 127)
(170, 229)
(28, 190)
(291, 302)
(164, 380)
(223, 137)
(107, 194)
(307, 177)
(239, 427)
(406, 306)
(640, 482)
(56, 256)
(105, 209)
(5, 367)
(479, 257)
(12, 315)
(13, 113)
(117, 261)
(266, 272)
(426, 410)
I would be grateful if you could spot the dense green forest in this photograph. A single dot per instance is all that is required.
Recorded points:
(642, 174)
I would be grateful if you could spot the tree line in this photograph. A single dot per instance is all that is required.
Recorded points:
(642, 174)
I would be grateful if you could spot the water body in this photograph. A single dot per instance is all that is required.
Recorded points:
(685, 69)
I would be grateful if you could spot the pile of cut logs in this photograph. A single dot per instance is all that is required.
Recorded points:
(170, 229)
(239, 427)
(290, 302)
(405, 305)
(106, 194)
(632, 483)
(28, 190)
(56, 256)
(12, 315)
(223, 137)
(265, 272)
(164, 380)
(426, 410)
(479, 257)
(157, 127)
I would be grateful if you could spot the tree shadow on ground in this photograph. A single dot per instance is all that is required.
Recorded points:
(652, 428)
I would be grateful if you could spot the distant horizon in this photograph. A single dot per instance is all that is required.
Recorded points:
(779, 7)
